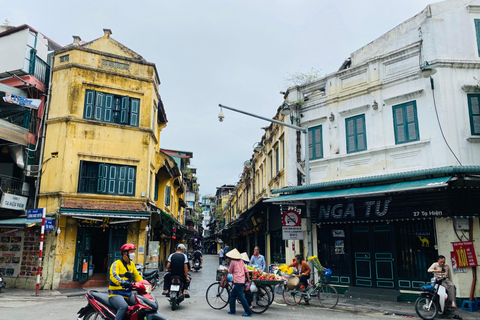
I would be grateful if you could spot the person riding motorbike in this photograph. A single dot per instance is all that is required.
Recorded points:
(177, 266)
(120, 288)
(197, 256)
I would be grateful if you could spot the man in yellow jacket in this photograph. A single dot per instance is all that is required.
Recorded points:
(120, 289)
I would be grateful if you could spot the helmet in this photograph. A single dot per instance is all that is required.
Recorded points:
(126, 247)
(181, 246)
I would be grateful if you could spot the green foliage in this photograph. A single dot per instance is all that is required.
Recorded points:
(299, 78)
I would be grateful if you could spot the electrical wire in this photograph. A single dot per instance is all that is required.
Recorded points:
(440, 125)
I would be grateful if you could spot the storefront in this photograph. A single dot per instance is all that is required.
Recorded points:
(383, 233)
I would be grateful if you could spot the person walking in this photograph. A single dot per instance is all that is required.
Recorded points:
(238, 271)
(221, 255)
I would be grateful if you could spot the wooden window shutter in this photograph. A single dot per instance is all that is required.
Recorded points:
(124, 110)
(474, 112)
(99, 102)
(134, 111)
(131, 181)
(107, 116)
(89, 101)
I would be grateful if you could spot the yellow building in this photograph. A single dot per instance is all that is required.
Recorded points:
(100, 159)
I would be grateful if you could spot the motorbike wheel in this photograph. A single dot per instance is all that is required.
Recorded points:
(426, 308)
(173, 301)
(92, 315)
(154, 283)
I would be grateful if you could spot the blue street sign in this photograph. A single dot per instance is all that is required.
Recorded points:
(35, 213)
(49, 225)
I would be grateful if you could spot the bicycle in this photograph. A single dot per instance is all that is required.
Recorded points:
(218, 297)
(327, 294)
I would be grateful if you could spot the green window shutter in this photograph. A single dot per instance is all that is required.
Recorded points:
(477, 29)
(310, 143)
(167, 195)
(89, 100)
(277, 160)
(102, 178)
(157, 184)
(112, 179)
(131, 181)
(361, 135)
(134, 110)
(283, 153)
(124, 110)
(350, 127)
(122, 180)
(99, 102)
(318, 143)
(107, 116)
(405, 122)
(82, 179)
(474, 113)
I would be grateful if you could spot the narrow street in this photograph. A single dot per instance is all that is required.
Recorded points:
(61, 307)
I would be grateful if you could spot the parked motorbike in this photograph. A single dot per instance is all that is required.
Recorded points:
(176, 292)
(145, 308)
(2, 283)
(431, 301)
(152, 276)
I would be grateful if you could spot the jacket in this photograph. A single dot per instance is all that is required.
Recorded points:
(117, 275)
(305, 267)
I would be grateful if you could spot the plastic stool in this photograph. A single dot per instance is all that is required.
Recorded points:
(477, 305)
(469, 305)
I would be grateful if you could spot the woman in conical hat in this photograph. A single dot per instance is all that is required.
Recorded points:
(238, 271)
(245, 257)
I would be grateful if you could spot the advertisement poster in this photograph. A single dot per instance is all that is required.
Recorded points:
(465, 254)
(11, 253)
(339, 247)
(455, 267)
(19, 252)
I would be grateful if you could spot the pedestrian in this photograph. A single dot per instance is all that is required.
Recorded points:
(258, 260)
(221, 254)
(239, 271)
(227, 248)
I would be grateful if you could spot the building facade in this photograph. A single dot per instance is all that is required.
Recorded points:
(395, 156)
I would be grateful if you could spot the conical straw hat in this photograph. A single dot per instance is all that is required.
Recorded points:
(234, 254)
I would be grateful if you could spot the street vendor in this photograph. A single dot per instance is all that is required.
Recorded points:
(258, 260)
(303, 270)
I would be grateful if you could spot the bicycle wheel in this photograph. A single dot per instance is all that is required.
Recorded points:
(328, 296)
(271, 292)
(292, 297)
(217, 297)
(261, 300)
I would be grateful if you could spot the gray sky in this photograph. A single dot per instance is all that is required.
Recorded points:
(207, 52)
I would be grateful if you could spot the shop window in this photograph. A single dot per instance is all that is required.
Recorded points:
(405, 122)
(315, 148)
(111, 108)
(474, 112)
(356, 135)
(105, 178)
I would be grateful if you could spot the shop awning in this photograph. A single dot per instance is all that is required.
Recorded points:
(20, 222)
(365, 191)
(105, 214)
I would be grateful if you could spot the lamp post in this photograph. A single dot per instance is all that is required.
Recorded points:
(285, 111)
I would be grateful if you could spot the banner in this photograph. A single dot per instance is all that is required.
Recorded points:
(465, 254)
(22, 101)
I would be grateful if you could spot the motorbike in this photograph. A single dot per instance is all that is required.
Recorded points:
(431, 301)
(176, 292)
(152, 276)
(2, 283)
(196, 265)
(99, 307)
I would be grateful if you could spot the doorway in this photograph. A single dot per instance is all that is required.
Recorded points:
(373, 255)
(99, 255)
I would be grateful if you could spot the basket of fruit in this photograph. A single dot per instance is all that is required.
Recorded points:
(260, 277)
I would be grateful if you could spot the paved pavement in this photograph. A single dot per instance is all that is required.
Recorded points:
(202, 279)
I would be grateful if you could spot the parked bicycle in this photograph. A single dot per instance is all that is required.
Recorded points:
(218, 297)
(326, 294)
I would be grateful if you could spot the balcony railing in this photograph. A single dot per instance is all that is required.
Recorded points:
(39, 68)
(12, 185)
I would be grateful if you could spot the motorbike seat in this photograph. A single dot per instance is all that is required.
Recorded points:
(103, 298)
(149, 273)
(429, 288)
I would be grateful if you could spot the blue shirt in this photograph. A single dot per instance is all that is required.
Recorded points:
(258, 261)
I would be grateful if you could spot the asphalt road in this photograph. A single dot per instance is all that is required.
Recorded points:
(62, 307)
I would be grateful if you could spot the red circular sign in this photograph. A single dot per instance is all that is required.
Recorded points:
(291, 218)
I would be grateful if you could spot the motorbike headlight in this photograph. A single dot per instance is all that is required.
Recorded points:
(148, 288)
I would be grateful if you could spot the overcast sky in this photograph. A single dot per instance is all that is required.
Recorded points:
(237, 53)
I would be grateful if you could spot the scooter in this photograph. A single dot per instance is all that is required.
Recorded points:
(152, 276)
(2, 283)
(176, 292)
(145, 308)
(196, 265)
(431, 301)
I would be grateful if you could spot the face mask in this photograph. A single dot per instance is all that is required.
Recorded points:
(131, 256)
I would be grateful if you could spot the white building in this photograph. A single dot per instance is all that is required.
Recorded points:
(395, 157)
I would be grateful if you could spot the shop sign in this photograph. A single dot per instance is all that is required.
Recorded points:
(291, 218)
(14, 202)
(292, 233)
(22, 101)
(455, 267)
(368, 209)
(465, 254)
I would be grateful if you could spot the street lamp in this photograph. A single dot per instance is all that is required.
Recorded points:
(285, 111)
